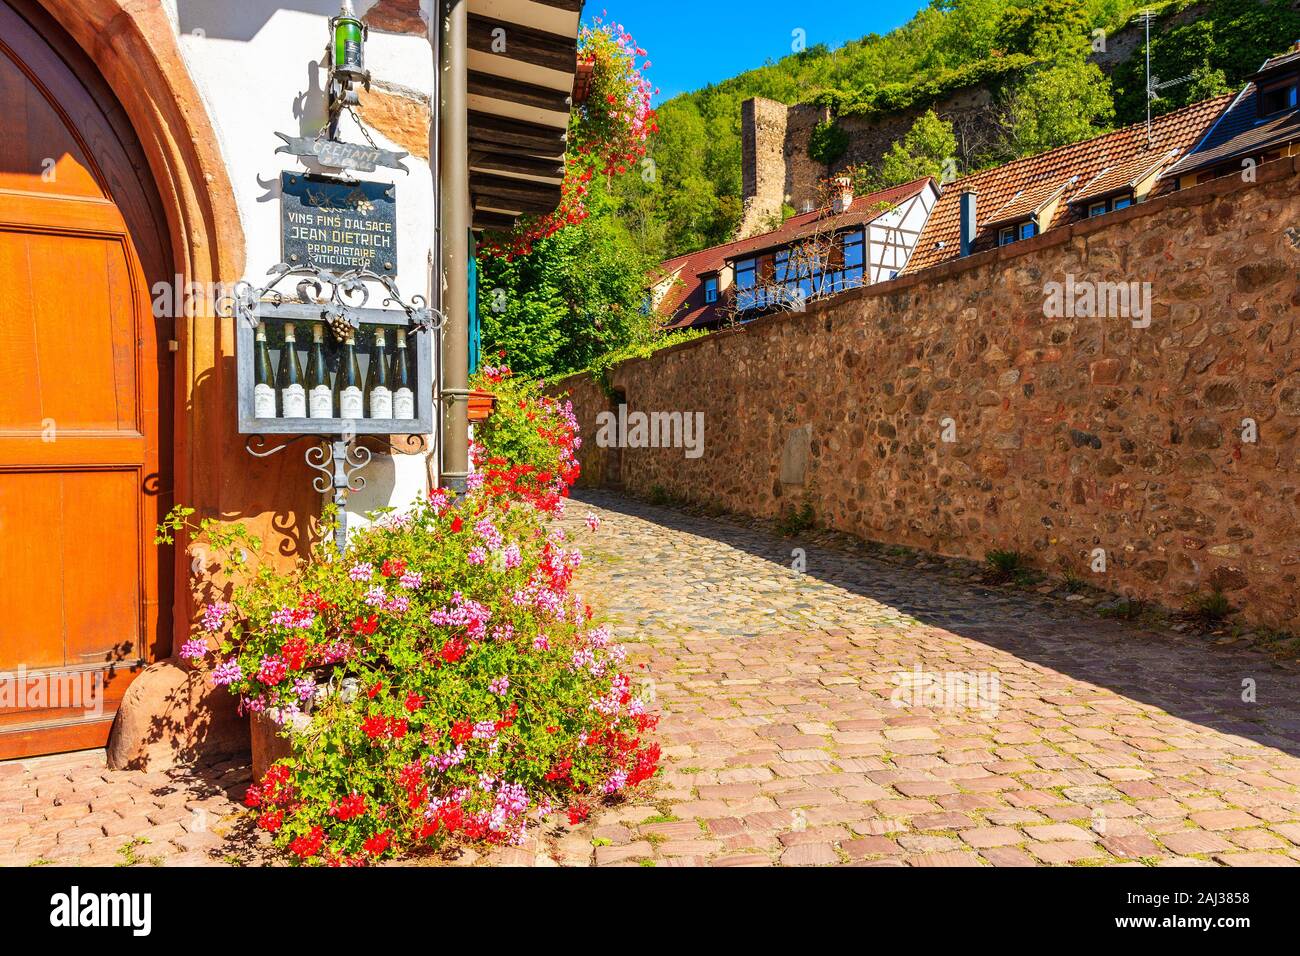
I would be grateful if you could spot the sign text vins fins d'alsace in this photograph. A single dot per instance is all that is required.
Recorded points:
(338, 225)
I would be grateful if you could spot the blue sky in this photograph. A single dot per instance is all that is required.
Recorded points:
(695, 42)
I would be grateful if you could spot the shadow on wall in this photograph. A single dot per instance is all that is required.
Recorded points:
(1185, 678)
(245, 19)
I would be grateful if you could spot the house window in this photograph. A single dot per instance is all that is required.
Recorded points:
(1278, 98)
(1024, 230)
(711, 289)
(1103, 206)
(853, 260)
(745, 279)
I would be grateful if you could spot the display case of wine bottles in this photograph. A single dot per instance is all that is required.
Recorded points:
(297, 376)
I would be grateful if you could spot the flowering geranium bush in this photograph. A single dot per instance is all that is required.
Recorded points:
(439, 679)
(608, 133)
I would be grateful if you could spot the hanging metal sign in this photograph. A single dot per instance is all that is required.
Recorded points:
(338, 225)
(337, 155)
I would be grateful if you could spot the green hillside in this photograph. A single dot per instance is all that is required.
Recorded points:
(1005, 45)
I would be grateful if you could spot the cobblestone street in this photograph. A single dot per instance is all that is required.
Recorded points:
(1100, 743)
(1110, 744)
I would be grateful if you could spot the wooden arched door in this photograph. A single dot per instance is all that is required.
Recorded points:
(84, 397)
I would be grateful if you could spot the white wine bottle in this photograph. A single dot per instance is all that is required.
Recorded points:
(320, 397)
(379, 396)
(347, 383)
(403, 382)
(263, 376)
(293, 396)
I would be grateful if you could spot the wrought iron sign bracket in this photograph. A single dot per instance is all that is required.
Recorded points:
(338, 459)
(339, 298)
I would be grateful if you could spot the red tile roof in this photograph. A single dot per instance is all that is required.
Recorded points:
(1123, 176)
(684, 301)
(1035, 177)
(1029, 202)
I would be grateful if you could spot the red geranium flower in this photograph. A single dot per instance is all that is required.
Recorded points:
(309, 845)
(461, 731)
(453, 650)
(349, 808)
(378, 843)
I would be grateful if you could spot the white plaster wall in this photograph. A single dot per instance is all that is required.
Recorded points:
(887, 233)
(258, 66)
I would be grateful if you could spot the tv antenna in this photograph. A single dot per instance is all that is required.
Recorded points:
(1154, 83)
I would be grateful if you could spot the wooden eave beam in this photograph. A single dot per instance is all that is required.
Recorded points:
(517, 91)
(535, 47)
(493, 221)
(573, 6)
(514, 190)
(516, 134)
(482, 159)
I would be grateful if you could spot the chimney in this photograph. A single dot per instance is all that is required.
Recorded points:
(841, 195)
(967, 220)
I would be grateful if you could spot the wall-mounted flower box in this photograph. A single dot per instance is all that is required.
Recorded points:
(481, 404)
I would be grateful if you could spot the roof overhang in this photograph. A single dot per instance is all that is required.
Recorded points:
(523, 57)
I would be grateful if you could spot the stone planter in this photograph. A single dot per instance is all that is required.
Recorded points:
(481, 404)
(269, 743)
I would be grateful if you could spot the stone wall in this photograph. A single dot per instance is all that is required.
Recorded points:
(776, 166)
(1068, 434)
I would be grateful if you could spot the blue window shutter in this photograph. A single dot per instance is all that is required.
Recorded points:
(475, 331)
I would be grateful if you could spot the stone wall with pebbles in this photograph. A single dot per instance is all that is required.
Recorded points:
(946, 411)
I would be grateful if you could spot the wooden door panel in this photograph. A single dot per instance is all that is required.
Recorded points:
(38, 153)
(70, 553)
(67, 349)
(102, 595)
(31, 600)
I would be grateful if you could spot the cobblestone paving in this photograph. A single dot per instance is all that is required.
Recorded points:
(71, 810)
(1110, 744)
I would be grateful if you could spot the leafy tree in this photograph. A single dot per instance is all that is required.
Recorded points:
(923, 151)
(1218, 50)
(827, 142)
(1049, 29)
(1062, 103)
(578, 294)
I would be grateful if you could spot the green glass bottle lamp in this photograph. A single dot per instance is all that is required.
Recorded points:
(349, 42)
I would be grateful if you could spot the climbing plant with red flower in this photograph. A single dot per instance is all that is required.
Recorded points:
(608, 133)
